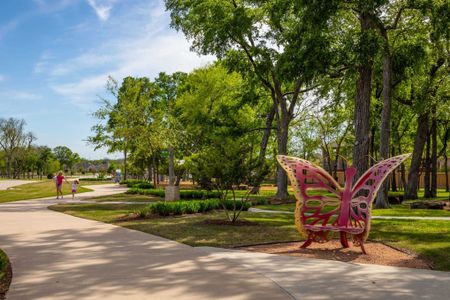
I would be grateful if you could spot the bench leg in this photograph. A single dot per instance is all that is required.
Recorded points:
(344, 240)
(309, 240)
(359, 241)
(306, 243)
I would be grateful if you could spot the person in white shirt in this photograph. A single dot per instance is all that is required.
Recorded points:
(74, 187)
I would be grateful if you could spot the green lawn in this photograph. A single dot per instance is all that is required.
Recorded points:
(431, 239)
(126, 198)
(38, 189)
(395, 210)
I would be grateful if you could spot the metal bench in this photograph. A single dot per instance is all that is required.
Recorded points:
(323, 206)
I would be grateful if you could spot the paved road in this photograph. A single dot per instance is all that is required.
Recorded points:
(6, 184)
(56, 256)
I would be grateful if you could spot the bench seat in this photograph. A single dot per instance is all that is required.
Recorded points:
(351, 230)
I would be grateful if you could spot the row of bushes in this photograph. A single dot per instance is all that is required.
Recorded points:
(138, 184)
(184, 194)
(191, 207)
(93, 179)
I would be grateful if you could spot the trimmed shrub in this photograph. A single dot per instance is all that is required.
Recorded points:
(190, 207)
(184, 194)
(260, 201)
(93, 179)
(144, 185)
(133, 182)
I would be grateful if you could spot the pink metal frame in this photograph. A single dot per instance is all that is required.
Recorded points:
(324, 206)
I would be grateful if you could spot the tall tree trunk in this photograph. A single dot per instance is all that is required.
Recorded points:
(433, 190)
(262, 149)
(282, 140)
(171, 167)
(419, 143)
(446, 172)
(362, 107)
(427, 169)
(385, 134)
(372, 159)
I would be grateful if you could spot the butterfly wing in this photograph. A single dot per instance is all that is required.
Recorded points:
(318, 194)
(366, 188)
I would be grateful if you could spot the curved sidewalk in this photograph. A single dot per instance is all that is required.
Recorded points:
(57, 256)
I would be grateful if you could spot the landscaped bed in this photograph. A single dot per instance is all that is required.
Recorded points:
(5, 274)
(426, 240)
(378, 253)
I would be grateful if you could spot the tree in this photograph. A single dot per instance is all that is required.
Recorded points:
(13, 138)
(166, 95)
(276, 42)
(66, 157)
(120, 121)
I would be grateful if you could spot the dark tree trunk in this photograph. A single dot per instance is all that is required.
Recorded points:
(171, 167)
(446, 172)
(419, 143)
(427, 169)
(282, 139)
(372, 146)
(385, 133)
(362, 107)
(262, 150)
(433, 190)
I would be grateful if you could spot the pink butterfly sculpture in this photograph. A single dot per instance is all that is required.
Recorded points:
(324, 206)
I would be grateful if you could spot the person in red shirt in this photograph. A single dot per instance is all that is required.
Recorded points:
(59, 181)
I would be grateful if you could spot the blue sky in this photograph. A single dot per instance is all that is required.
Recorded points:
(56, 55)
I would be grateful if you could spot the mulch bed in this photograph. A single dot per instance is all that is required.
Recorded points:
(377, 253)
(5, 281)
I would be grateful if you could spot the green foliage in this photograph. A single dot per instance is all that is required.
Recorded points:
(93, 179)
(190, 207)
(184, 194)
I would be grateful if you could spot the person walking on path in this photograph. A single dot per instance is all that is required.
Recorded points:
(59, 181)
(74, 187)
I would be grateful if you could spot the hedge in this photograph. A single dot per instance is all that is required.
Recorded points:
(184, 194)
(190, 207)
(140, 184)
(94, 179)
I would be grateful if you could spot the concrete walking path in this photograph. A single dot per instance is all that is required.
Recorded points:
(57, 256)
(6, 184)
(305, 278)
(257, 210)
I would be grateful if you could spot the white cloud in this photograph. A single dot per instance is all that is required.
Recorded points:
(143, 46)
(102, 8)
